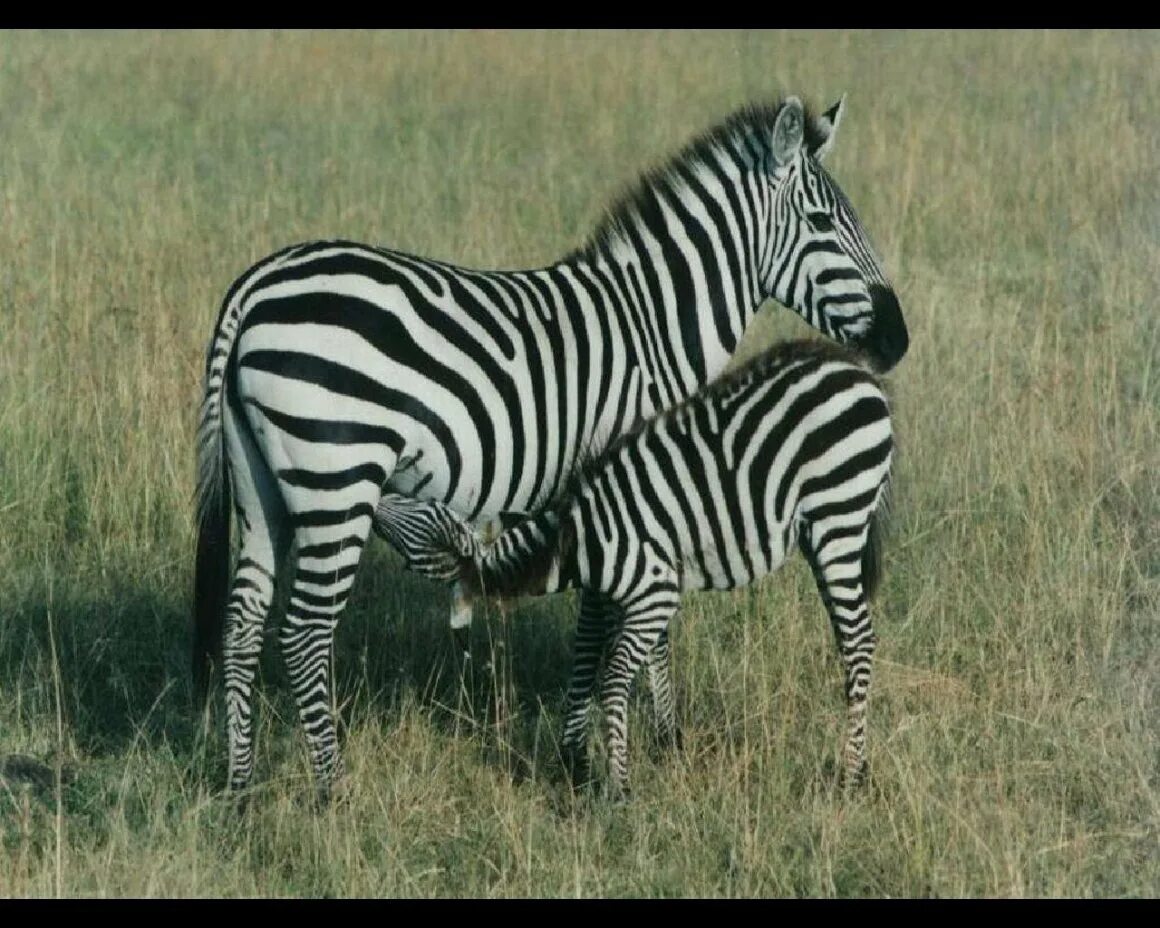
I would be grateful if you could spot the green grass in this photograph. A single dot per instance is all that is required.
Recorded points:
(1010, 181)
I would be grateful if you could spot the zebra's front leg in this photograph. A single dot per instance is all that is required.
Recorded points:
(322, 583)
(593, 629)
(837, 570)
(660, 676)
(856, 643)
(645, 618)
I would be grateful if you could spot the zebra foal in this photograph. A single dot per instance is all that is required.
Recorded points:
(794, 447)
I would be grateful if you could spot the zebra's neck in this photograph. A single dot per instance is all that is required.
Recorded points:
(679, 268)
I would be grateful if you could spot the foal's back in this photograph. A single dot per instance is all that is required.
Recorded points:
(723, 485)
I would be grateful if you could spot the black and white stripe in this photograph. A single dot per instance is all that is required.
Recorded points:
(338, 372)
(794, 448)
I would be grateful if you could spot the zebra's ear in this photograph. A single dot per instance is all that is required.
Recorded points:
(787, 130)
(827, 127)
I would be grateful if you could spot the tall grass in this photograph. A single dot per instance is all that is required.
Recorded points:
(1010, 181)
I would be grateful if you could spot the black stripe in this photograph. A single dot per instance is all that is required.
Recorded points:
(333, 480)
(559, 366)
(526, 299)
(327, 549)
(331, 431)
(572, 309)
(716, 277)
(323, 577)
(864, 410)
(326, 517)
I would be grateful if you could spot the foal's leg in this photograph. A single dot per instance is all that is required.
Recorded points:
(660, 676)
(836, 560)
(597, 617)
(646, 616)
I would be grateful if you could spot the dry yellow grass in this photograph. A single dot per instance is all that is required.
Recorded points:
(1010, 180)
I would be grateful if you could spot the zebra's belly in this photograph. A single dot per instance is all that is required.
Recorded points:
(736, 563)
(441, 424)
(478, 488)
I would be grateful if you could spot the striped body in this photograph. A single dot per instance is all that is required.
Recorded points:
(339, 372)
(792, 450)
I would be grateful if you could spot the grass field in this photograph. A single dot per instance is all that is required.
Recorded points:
(1011, 183)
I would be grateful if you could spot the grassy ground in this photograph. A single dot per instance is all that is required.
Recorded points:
(1009, 181)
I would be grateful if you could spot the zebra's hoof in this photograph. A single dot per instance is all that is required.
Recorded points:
(334, 793)
(331, 786)
(240, 799)
(671, 740)
(855, 779)
(579, 772)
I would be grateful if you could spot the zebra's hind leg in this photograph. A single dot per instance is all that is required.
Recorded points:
(329, 546)
(660, 676)
(836, 560)
(645, 618)
(263, 526)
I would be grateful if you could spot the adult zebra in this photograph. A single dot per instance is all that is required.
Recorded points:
(338, 371)
(794, 447)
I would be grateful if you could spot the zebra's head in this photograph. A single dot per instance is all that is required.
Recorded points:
(819, 261)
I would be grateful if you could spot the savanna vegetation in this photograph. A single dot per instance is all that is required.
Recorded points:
(1010, 183)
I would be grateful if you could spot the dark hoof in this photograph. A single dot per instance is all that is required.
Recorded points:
(242, 801)
(462, 639)
(19, 769)
(579, 772)
(671, 740)
(333, 793)
(855, 781)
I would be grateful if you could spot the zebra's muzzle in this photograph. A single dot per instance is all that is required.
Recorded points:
(887, 340)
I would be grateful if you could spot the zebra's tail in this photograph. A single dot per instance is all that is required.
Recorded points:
(212, 569)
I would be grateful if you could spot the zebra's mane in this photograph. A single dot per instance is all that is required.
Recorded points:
(592, 461)
(746, 134)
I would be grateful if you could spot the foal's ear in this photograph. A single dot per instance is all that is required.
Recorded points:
(827, 126)
(787, 130)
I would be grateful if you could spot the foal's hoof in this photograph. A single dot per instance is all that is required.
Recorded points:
(668, 741)
(579, 773)
(334, 793)
(240, 799)
(855, 780)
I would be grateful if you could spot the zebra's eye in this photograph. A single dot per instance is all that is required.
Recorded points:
(821, 221)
